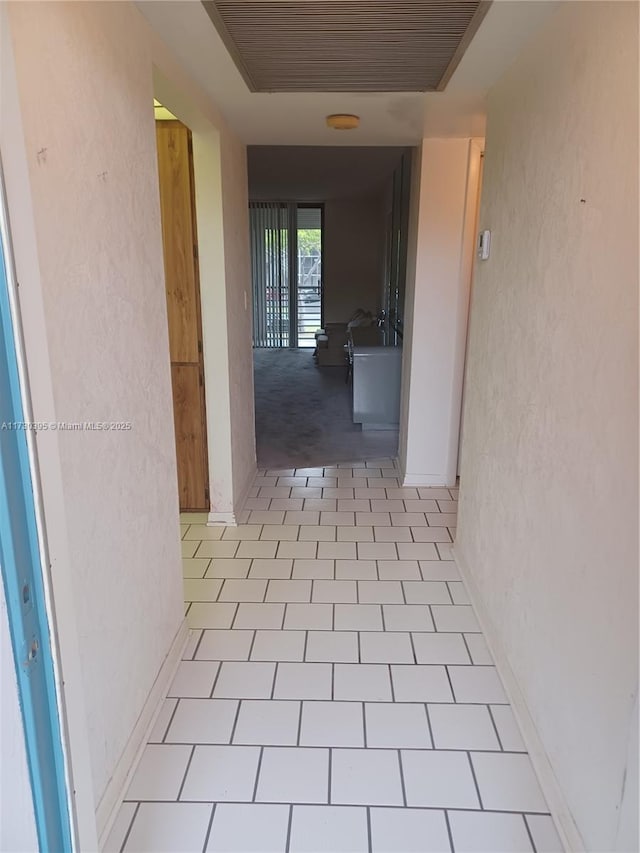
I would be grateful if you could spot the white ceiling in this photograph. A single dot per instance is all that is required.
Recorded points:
(386, 118)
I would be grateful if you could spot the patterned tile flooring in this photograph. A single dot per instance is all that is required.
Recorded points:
(336, 693)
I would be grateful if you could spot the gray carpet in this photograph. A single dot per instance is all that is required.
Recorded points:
(303, 414)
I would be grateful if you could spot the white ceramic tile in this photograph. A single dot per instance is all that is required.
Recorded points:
(476, 684)
(444, 550)
(245, 531)
(267, 722)
(419, 505)
(217, 549)
(448, 506)
(488, 833)
(196, 589)
(295, 590)
(478, 649)
(292, 481)
(417, 551)
(306, 492)
(343, 518)
(407, 617)
(332, 724)
(298, 550)
(194, 517)
(386, 647)
(225, 645)
(244, 680)
(276, 492)
(508, 729)
(366, 777)
(194, 679)
(286, 504)
(313, 569)
(208, 615)
(397, 725)
(426, 592)
(167, 827)
(309, 472)
(392, 534)
(377, 551)
(380, 592)
(304, 617)
(441, 519)
(384, 505)
(332, 646)
(261, 550)
(303, 681)
(371, 493)
(458, 592)
(195, 567)
(433, 493)
(279, 532)
(329, 829)
(259, 503)
(431, 534)
(222, 567)
(507, 782)
(356, 570)
(439, 779)
(219, 773)
(202, 721)
(162, 721)
(420, 683)
(305, 516)
(337, 493)
(251, 828)
(439, 570)
(322, 482)
(243, 590)
(354, 534)
(278, 645)
(266, 568)
(440, 648)
(354, 505)
(159, 774)
(259, 616)
(462, 727)
(402, 492)
(120, 828)
(317, 533)
(408, 519)
(293, 775)
(399, 570)
(545, 835)
(454, 617)
(337, 550)
(358, 617)
(321, 504)
(188, 548)
(373, 519)
(334, 592)
(409, 831)
(362, 682)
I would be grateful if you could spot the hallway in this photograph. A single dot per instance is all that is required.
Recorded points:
(336, 693)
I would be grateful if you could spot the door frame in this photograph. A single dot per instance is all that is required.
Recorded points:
(27, 586)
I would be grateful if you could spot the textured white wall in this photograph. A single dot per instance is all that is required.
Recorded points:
(84, 81)
(548, 524)
(441, 242)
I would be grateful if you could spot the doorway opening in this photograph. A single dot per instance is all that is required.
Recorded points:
(328, 274)
(286, 264)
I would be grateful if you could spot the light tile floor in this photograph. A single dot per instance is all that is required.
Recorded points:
(336, 693)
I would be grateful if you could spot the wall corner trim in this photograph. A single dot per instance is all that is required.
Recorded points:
(109, 804)
(558, 806)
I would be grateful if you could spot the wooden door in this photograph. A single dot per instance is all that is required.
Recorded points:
(180, 240)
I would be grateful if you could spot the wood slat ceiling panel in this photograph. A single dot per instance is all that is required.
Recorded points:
(346, 45)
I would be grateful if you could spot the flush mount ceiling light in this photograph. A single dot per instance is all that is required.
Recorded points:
(342, 121)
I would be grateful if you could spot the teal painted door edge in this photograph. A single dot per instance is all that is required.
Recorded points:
(20, 560)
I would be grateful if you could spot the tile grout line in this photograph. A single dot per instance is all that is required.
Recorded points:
(258, 768)
(369, 834)
(495, 727)
(449, 832)
(330, 765)
(464, 640)
(453, 692)
(475, 781)
(173, 713)
(431, 737)
(289, 823)
(402, 784)
(529, 833)
(235, 722)
(209, 827)
(130, 827)
(186, 773)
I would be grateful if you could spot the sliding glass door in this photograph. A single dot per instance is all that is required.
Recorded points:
(286, 263)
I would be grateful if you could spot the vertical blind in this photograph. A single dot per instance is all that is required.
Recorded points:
(271, 270)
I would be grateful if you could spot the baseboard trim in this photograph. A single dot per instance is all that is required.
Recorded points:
(560, 812)
(116, 788)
